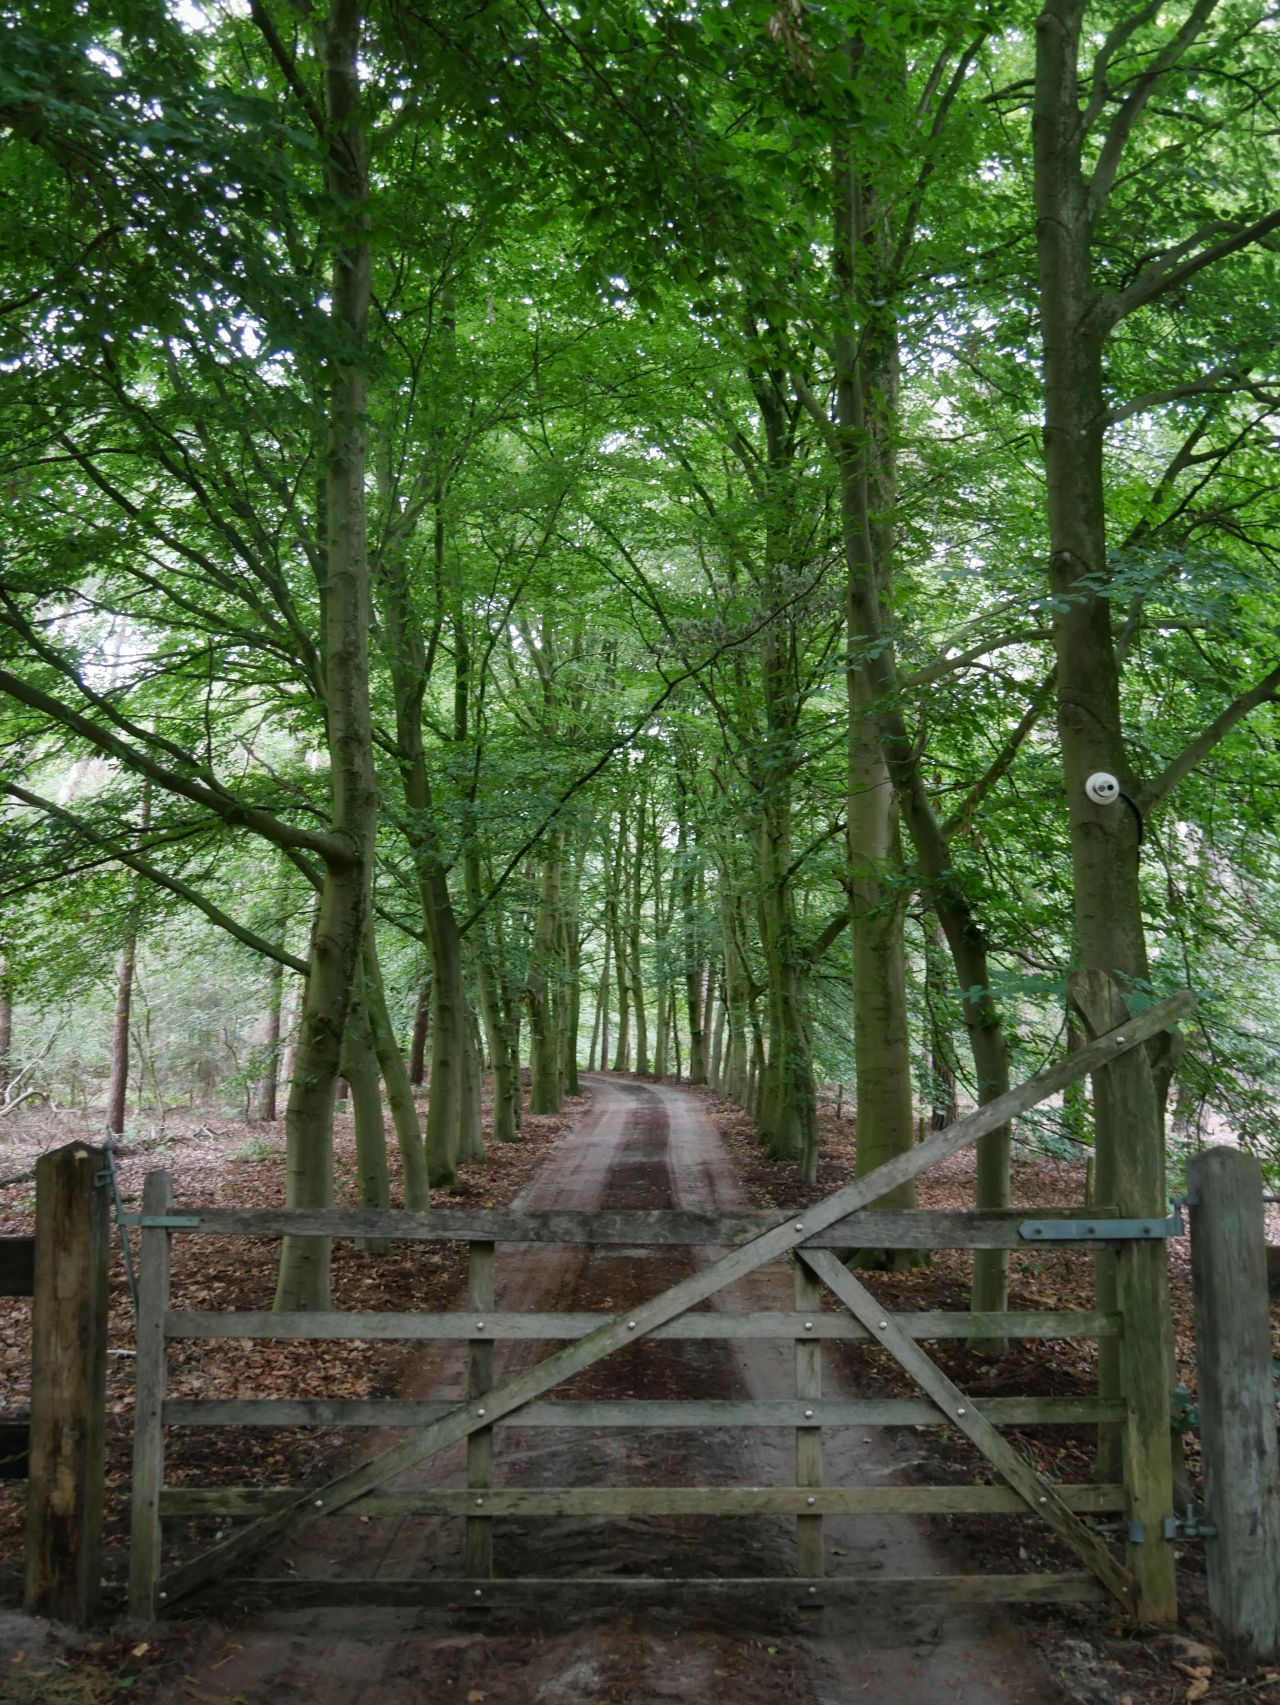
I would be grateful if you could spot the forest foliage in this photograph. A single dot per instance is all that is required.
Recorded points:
(625, 528)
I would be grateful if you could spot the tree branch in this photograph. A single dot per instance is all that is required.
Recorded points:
(1156, 792)
(1131, 108)
(1003, 760)
(1210, 385)
(827, 938)
(821, 419)
(1162, 276)
(949, 665)
(214, 799)
(173, 884)
(280, 53)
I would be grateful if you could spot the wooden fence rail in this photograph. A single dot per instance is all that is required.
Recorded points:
(638, 1228)
(17, 1279)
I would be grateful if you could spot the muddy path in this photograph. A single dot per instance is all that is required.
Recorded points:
(640, 1146)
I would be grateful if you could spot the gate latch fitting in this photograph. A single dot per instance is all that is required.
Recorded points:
(1189, 1526)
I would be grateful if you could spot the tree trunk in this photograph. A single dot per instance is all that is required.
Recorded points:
(634, 961)
(446, 1101)
(622, 1048)
(871, 651)
(418, 1043)
(1104, 839)
(488, 957)
(571, 958)
(692, 955)
(6, 1029)
(267, 1088)
(544, 1051)
(662, 914)
(717, 1035)
(472, 1134)
(600, 1024)
(304, 1263)
(118, 1090)
(360, 1068)
(736, 1074)
(787, 1107)
(881, 1032)
(511, 1028)
(404, 1110)
(944, 1108)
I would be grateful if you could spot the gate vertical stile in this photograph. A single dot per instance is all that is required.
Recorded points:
(148, 1421)
(810, 1549)
(1126, 1090)
(481, 1292)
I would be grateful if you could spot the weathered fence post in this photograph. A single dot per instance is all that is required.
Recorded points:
(1130, 1176)
(68, 1385)
(148, 1415)
(1237, 1401)
(478, 1535)
(810, 1547)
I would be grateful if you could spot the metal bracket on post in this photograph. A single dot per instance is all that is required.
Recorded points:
(1189, 1526)
(109, 1174)
(1105, 1231)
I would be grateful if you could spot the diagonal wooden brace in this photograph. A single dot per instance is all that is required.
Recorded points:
(628, 1328)
(1038, 1494)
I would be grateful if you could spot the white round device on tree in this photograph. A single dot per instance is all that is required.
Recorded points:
(1102, 788)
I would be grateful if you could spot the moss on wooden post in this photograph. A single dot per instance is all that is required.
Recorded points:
(1237, 1402)
(68, 1385)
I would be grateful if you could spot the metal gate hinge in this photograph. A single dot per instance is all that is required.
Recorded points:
(1064, 1231)
(1189, 1526)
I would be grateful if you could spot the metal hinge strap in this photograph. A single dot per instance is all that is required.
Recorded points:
(1106, 1231)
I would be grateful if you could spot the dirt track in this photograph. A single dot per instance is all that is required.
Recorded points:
(641, 1146)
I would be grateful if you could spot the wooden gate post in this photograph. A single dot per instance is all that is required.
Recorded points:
(1237, 1401)
(478, 1532)
(148, 1415)
(68, 1385)
(1130, 1177)
(810, 1547)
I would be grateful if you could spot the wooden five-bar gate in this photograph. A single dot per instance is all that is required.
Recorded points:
(1141, 1581)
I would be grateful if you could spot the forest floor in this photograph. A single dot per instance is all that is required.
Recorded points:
(639, 1145)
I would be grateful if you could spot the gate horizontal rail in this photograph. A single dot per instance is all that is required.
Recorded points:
(560, 1328)
(871, 1228)
(639, 1412)
(869, 1591)
(650, 1501)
